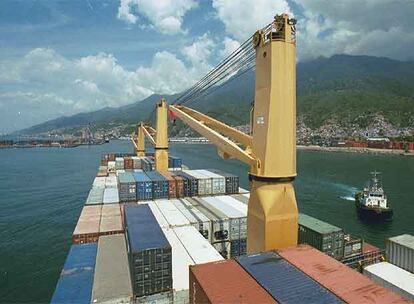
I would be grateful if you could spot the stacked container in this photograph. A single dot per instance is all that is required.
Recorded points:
(87, 228)
(352, 246)
(321, 235)
(143, 186)
(232, 181)
(127, 187)
(172, 184)
(159, 185)
(179, 185)
(218, 182)
(136, 162)
(112, 282)
(128, 163)
(197, 219)
(190, 184)
(76, 279)
(149, 251)
(400, 251)
(204, 182)
(174, 162)
(119, 163)
(99, 182)
(111, 181)
(111, 196)
(171, 213)
(95, 196)
(102, 171)
(111, 166)
(111, 221)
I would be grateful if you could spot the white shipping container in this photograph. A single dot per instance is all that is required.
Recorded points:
(173, 216)
(218, 182)
(137, 162)
(111, 166)
(119, 163)
(241, 207)
(95, 196)
(157, 214)
(400, 251)
(223, 248)
(392, 277)
(204, 182)
(99, 182)
(111, 181)
(181, 261)
(111, 196)
(198, 247)
(195, 217)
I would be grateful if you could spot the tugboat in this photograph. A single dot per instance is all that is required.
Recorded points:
(371, 203)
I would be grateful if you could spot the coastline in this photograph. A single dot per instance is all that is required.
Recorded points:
(355, 150)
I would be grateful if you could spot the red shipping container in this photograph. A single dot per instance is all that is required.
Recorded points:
(87, 228)
(172, 192)
(128, 163)
(179, 185)
(347, 284)
(225, 282)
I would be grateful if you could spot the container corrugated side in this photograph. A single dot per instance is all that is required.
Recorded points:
(112, 282)
(196, 245)
(111, 196)
(172, 184)
(143, 186)
(159, 185)
(119, 163)
(204, 183)
(127, 187)
(284, 282)
(179, 185)
(232, 181)
(400, 251)
(190, 184)
(87, 227)
(170, 212)
(218, 182)
(76, 279)
(149, 251)
(136, 162)
(195, 217)
(181, 260)
(392, 277)
(346, 283)
(225, 282)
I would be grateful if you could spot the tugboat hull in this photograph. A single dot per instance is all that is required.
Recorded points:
(372, 213)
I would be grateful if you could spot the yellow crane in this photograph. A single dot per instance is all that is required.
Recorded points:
(271, 150)
(158, 137)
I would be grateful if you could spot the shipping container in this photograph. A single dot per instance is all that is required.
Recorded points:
(76, 279)
(220, 222)
(174, 162)
(197, 219)
(241, 198)
(231, 180)
(99, 182)
(204, 182)
(179, 184)
(166, 297)
(346, 283)
(400, 251)
(162, 222)
(370, 255)
(128, 163)
(225, 282)
(95, 196)
(111, 181)
(111, 166)
(352, 246)
(149, 251)
(159, 185)
(111, 224)
(87, 227)
(181, 260)
(112, 282)
(119, 163)
(218, 182)
(127, 187)
(283, 281)
(321, 235)
(196, 245)
(171, 213)
(111, 196)
(136, 162)
(190, 184)
(392, 277)
(172, 184)
(143, 186)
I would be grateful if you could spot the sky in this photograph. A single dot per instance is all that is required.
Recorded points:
(70, 56)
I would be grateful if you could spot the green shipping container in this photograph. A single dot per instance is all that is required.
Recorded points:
(321, 235)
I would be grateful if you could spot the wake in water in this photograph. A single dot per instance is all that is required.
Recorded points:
(347, 198)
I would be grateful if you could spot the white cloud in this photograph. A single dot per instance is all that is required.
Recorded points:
(230, 45)
(243, 18)
(43, 84)
(125, 11)
(200, 51)
(165, 15)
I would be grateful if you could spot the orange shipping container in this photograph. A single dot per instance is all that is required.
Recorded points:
(347, 284)
(128, 163)
(179, 185)
(225, 282)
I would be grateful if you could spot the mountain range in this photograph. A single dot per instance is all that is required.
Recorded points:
(347, 89)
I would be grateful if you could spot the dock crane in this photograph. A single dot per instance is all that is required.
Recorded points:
(271, 150)
(158, 137)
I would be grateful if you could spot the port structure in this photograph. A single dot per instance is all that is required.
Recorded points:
(158, 137)
(271, 149)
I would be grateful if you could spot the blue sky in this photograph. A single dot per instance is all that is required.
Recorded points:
(69, 56)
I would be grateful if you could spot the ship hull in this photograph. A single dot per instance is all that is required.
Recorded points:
(372, 213)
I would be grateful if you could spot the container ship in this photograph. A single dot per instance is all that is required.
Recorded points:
(152, 231)
(372, 202)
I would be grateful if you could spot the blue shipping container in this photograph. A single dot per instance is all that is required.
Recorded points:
(159, 185)
(174, 162)
(144, 186)
(283, 281)
(76, 280)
